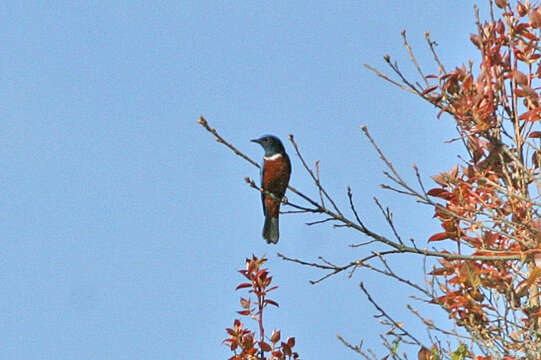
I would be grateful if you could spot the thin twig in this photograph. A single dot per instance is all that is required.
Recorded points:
(221, 140)
(389, 218)
(362, 244)
(320, 221)
(412, 57)
(394, 67)
(321, 198)
(382, 157)
(385, 77)
(431, 45)
(356, 348)
(314, 177)
(352, 206)
(383, 313)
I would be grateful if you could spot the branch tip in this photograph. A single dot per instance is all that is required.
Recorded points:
(202, 120)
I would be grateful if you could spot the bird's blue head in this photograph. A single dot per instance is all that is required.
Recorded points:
(271, 144)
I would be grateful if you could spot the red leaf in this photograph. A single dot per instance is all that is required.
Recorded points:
(291, 342)
(286, 349)
(264, 346)
(261, 273)
(441, 193)
(244, 312)
(242, 286)
(429, 90)
(439, 236)
(475, 40)
(271, 302)
(531, 115)
(535, 134)
(520, 93)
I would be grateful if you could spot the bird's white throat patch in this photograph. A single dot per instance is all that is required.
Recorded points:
(273, 157)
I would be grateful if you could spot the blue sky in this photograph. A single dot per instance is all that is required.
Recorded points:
(123, 222)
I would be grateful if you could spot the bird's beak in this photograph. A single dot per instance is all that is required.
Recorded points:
(256, 141)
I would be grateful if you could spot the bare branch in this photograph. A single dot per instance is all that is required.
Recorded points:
(314, 177)
(412, 58)
(350, 197)
(431, 45)
(387, 316)
(385, 77)
(389, 217)
(203, 122)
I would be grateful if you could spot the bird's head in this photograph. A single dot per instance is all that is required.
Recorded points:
(271, 144)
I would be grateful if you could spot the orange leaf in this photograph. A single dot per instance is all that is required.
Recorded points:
(442, 271)
(534, 275)
(245, 303)
(439, 179)
(531, 115)
(529, 36)
(501, 3)
(275, 336)
(520, 78)
(425, 354)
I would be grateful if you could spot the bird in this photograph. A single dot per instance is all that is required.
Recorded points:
(275, 174)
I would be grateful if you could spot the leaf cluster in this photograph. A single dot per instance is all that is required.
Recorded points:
(242, 341)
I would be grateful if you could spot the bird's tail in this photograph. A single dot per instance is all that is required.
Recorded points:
(270, 229)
